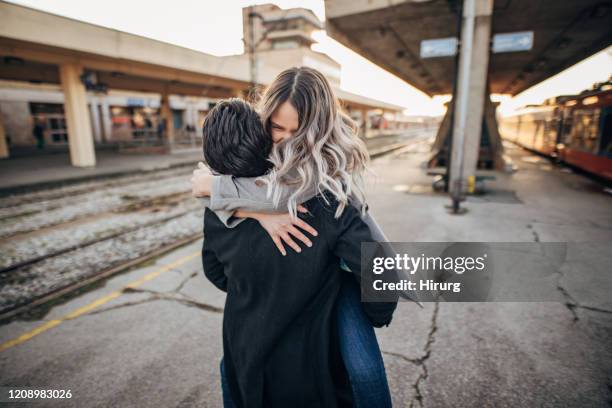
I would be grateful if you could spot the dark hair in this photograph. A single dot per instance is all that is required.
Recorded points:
(234, 140)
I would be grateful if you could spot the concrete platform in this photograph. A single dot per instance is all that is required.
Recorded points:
(43, 171)
(47, 170)
(160, 344)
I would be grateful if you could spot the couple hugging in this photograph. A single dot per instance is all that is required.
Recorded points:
(295, 332)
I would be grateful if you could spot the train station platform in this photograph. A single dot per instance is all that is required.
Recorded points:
(20, 174)
(160, 322)
(41, 171)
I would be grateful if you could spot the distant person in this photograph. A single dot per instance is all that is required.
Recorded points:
(148, 128)
(161, 128)
(39, 133)
(303, 118)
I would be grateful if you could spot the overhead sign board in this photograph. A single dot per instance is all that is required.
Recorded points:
(135, 101)
(439, 47)
(513, 42)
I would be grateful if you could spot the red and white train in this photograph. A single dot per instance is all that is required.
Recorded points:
(576, 130)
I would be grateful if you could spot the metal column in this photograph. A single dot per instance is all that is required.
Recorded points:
(471, 87)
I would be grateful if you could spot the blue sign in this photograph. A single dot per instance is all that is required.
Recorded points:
(135, 101)
(512, 42)
(440, 47)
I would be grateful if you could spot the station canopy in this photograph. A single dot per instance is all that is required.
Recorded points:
(389, 33)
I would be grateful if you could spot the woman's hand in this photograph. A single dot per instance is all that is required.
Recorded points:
(201, 181)
(281, 227)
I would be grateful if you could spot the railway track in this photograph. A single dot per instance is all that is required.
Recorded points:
(53, 240)
(85, 244)
(68, 190)
(52, 213)
(7, 314)
(55, 273)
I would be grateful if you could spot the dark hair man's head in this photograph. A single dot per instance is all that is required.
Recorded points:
(235, 141)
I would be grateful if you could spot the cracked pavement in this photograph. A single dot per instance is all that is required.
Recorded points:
(159, 344)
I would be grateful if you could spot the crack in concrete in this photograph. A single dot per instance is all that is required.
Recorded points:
(161, 296)
(420, 361)
(416, 361)
(593, 309)
(536, 236)
(129, 289)
(119, 306)
(419, 398)
(174, 296)
(209, 308)
(184, 281)
(572, 304)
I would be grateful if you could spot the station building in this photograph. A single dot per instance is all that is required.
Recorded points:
(71, 86)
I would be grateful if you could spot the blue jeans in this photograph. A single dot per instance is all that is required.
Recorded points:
(227, 398)
(360, 353)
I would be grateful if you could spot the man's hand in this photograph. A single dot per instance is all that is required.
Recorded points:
(201, 181)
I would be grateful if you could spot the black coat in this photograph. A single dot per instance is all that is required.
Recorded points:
(279, 342)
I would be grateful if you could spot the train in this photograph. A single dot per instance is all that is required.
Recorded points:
(573, 129)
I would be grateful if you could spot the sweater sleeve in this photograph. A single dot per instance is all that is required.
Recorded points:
(225, 216)
(232, 193)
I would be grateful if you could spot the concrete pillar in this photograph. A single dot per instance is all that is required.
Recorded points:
(107, 126)
(95, 118)
(364, 123)
(187, 114)
(4, 150)
(470, 94)
(166, 114)
(80, 139)
(196, 116)
(192, 113)
(194, 121)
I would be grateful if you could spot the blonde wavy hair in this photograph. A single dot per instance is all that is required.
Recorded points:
(325, 151)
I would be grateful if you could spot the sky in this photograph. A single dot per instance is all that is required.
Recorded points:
(215, 27)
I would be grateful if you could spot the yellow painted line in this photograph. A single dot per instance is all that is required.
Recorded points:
(96, 303)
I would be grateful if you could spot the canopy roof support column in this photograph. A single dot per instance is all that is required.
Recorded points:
(166, 114)
(470, 95)
(80, 139)
(4, 151)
